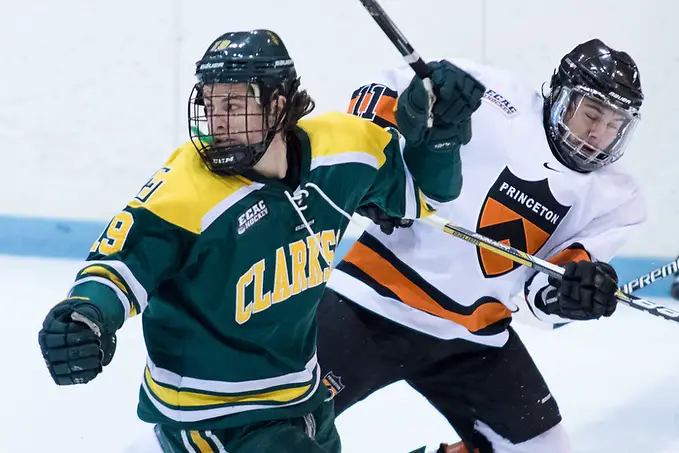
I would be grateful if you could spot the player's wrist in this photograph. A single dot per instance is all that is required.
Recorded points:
(105, 301)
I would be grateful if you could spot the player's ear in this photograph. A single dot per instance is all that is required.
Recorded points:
(278, 103)
(276, 106)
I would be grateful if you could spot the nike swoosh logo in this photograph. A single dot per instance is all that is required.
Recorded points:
(546, 165)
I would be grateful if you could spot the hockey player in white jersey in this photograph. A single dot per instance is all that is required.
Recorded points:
(540, 174)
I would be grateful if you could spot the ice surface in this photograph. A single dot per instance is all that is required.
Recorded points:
(616, 380)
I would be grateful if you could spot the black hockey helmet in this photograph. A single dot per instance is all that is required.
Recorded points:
(230, 134)
(593, 107)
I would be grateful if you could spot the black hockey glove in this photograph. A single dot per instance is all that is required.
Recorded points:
(386, 222)
(76, 342)
(458, 95)
(586, 291)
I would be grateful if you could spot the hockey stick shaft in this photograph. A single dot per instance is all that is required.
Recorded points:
(538, 264)
(396, 37)
(409, 54)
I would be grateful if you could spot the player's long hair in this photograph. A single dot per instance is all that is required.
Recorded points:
(299, 104)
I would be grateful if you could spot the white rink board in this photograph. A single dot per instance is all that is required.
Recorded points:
(93, 95)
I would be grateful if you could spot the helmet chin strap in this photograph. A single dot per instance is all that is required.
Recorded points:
(254, 151)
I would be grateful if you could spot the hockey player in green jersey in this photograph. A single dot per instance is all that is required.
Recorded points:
(227, 248)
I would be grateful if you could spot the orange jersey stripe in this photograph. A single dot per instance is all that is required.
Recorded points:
(456, 448)
(373, 264)
(570, 254)
(386, 109)
(352, 105)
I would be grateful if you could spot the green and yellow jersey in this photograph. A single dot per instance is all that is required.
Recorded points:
(228, 276)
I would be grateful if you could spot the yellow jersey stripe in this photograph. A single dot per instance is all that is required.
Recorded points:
(200, 414)
(181, 398)
(140, 294)
(202, 444)
(172, 379)
(335, 133)
(79, 297)
(103, 272)
(185, 190)
(187, 444)
(424, 209)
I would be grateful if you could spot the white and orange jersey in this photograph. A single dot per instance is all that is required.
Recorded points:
(514, 191)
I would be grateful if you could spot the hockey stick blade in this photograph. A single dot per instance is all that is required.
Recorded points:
(538, 264)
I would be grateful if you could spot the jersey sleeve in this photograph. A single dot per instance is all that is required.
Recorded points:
(394, 189)
(600, 240)
(134, 254)
(435, 177)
